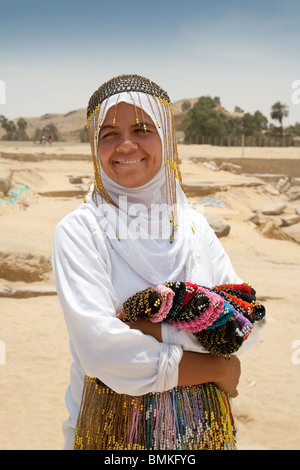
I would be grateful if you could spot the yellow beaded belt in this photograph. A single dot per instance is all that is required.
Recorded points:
(184, 418)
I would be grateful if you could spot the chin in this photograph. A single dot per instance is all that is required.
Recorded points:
(133, 184)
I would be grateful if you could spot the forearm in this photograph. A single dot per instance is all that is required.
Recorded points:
(198, 368)
(148, 328)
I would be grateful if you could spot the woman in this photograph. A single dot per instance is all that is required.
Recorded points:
(134, 230)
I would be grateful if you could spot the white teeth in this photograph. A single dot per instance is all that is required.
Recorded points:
(129, 162)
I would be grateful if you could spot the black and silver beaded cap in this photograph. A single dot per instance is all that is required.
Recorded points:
(124, 83)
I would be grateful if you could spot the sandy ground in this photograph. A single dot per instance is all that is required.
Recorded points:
(35, 359)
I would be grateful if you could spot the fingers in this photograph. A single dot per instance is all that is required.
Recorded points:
(230, 374)
(234, 394)
(121, 315)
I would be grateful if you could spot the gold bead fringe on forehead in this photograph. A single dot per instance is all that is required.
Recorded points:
(165, 120)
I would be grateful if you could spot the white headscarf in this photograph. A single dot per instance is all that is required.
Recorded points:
(139, 229)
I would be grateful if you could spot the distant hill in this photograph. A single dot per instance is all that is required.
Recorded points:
(70, 124)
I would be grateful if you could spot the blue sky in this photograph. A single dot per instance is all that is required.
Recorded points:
(54, 54)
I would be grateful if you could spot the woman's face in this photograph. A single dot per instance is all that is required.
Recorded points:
(129, 155)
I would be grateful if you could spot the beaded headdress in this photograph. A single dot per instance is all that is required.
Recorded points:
(164, 121)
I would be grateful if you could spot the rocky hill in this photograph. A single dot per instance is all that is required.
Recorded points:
(182, 107)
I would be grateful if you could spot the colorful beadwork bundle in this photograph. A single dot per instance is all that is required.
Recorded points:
(221, 317)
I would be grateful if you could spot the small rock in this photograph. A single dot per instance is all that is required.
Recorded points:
(5, 181)
(294, 193)
(271, 190)
(269, 229)
(273, 209)
(75, 180)
(26, 292)
(254, 219)
(211, 165)
(220, 228)
(293, 231)
(5, 291)
(236, 169)
(23, 267)
(290, 219)
(251, 383)
(33, 291)
(283, 184)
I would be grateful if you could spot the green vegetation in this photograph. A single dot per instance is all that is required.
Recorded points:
(278, 112)
(84, 135)
(13, 131)
(18, 131)
(203, 119)
(207, 122)
(50, 130)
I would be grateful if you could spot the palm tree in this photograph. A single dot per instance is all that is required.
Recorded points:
(278, 112)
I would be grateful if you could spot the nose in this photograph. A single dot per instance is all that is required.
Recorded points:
(126, 145)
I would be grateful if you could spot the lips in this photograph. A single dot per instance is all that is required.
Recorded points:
(129, 162)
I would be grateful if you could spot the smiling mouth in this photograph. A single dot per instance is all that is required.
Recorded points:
(129, 162)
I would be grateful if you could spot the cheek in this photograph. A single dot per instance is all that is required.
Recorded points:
(104, 153)
(155, 149)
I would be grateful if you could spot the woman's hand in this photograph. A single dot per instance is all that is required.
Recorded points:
(229, 376)
(122, 315)
(198, 368)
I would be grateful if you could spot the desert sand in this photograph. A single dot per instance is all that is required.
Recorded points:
(47, 183)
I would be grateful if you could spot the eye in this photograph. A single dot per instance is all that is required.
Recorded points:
(107, 135)
(142, 130)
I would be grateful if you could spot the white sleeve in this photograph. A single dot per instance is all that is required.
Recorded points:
(173, 335)
(126, 360)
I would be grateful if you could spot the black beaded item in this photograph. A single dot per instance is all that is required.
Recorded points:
(124, 83)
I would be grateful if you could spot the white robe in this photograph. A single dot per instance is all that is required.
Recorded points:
(93, 281)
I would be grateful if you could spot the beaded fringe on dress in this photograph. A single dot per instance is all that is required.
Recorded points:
(184, 418)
